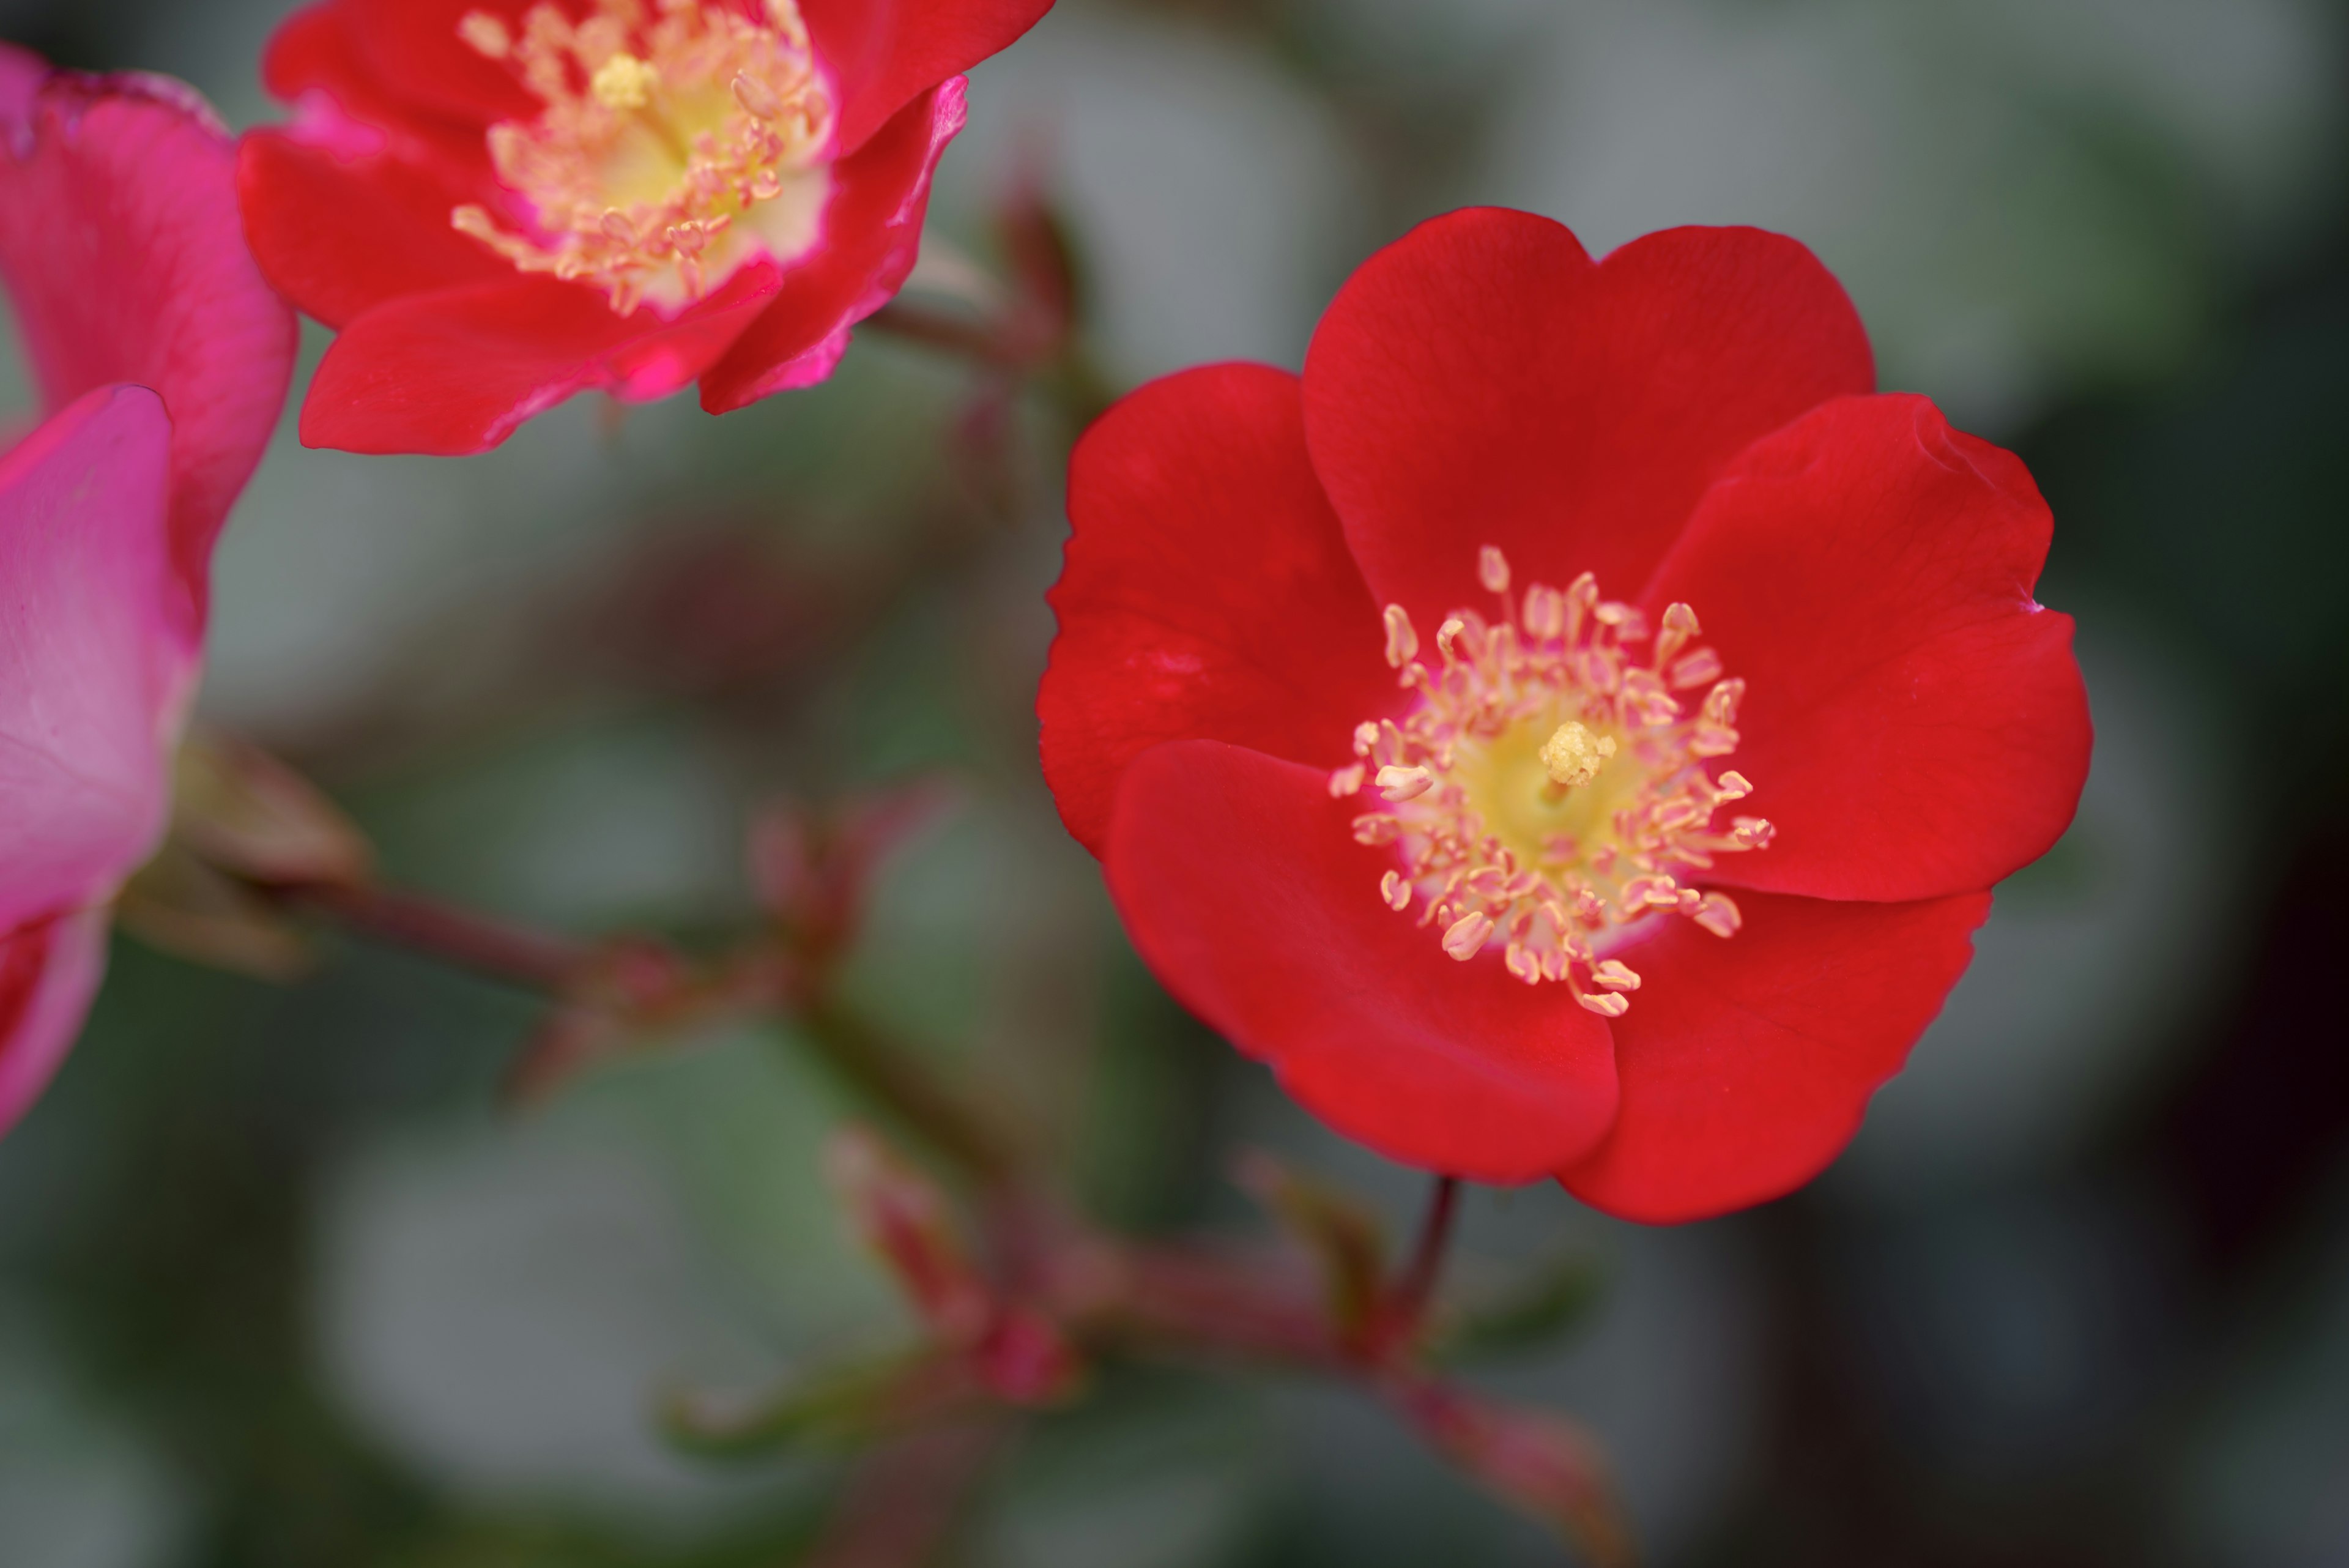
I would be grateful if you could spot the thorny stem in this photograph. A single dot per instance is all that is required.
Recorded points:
(1179, 1298)
(1415, 1287)
(886, 1073)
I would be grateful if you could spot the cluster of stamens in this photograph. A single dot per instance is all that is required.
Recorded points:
(671, 128)
(1550, 787)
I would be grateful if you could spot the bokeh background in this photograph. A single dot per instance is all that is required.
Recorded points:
(280, 1287)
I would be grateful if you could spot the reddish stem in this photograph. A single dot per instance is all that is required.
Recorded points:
(907, 1498)
(530, 960)
(988, 344)
(1414, 1289)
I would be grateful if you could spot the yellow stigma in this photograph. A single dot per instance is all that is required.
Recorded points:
(624, 81)
(1574, 755)
(1551, 785)
(698, 143)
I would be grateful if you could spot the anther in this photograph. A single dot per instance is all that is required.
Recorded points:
(1680, 625)
(1446, 634)
(1719, 916)
(1402, 784)
(1346, 782)
(1403, 642)
(1395, 891)
(1702, 667)
(487, 35)
(759, 100)
(1493, 570)
(1605, 1003)
(1614, 975)
(1465, 939)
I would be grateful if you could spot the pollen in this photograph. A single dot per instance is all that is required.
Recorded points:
(1551, 786)
(679, 140)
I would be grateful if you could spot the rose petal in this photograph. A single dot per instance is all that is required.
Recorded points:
(1208, 594)
(49, 975)
(414, 54)
(338, 236)
(1746, 1061)
(872, 236)
(1245, 891)
(457, 371)
(881, 54)
(1480, 382)
(125, 261)
(1913, 723)
(94, 669)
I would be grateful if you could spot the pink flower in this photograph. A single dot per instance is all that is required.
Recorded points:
(163, 360)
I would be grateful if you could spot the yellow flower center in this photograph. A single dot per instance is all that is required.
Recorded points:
(680, 140)
(1548, 789)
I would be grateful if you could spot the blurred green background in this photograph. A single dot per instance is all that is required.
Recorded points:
(280, 1288)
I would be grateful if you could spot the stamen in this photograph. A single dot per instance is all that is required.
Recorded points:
(1466, 937)
(486, 34)
(1405, 783)
(1549, 791)
(1403, 642)
(697, 143)
(1493, 570)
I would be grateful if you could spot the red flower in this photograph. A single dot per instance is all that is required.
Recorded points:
(503, 202)
(163, 360)
(1339, 648)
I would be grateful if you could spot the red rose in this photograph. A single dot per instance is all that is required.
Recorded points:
(1392, 790)
(503, 203)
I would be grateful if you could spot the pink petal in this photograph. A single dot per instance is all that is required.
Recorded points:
(125, 261)
(95, 669)
(48, 973)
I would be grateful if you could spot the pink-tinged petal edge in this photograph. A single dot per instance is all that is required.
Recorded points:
(49, 975)
(95, 673)
(125, 261)
(1241, 884)
(871, 238)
